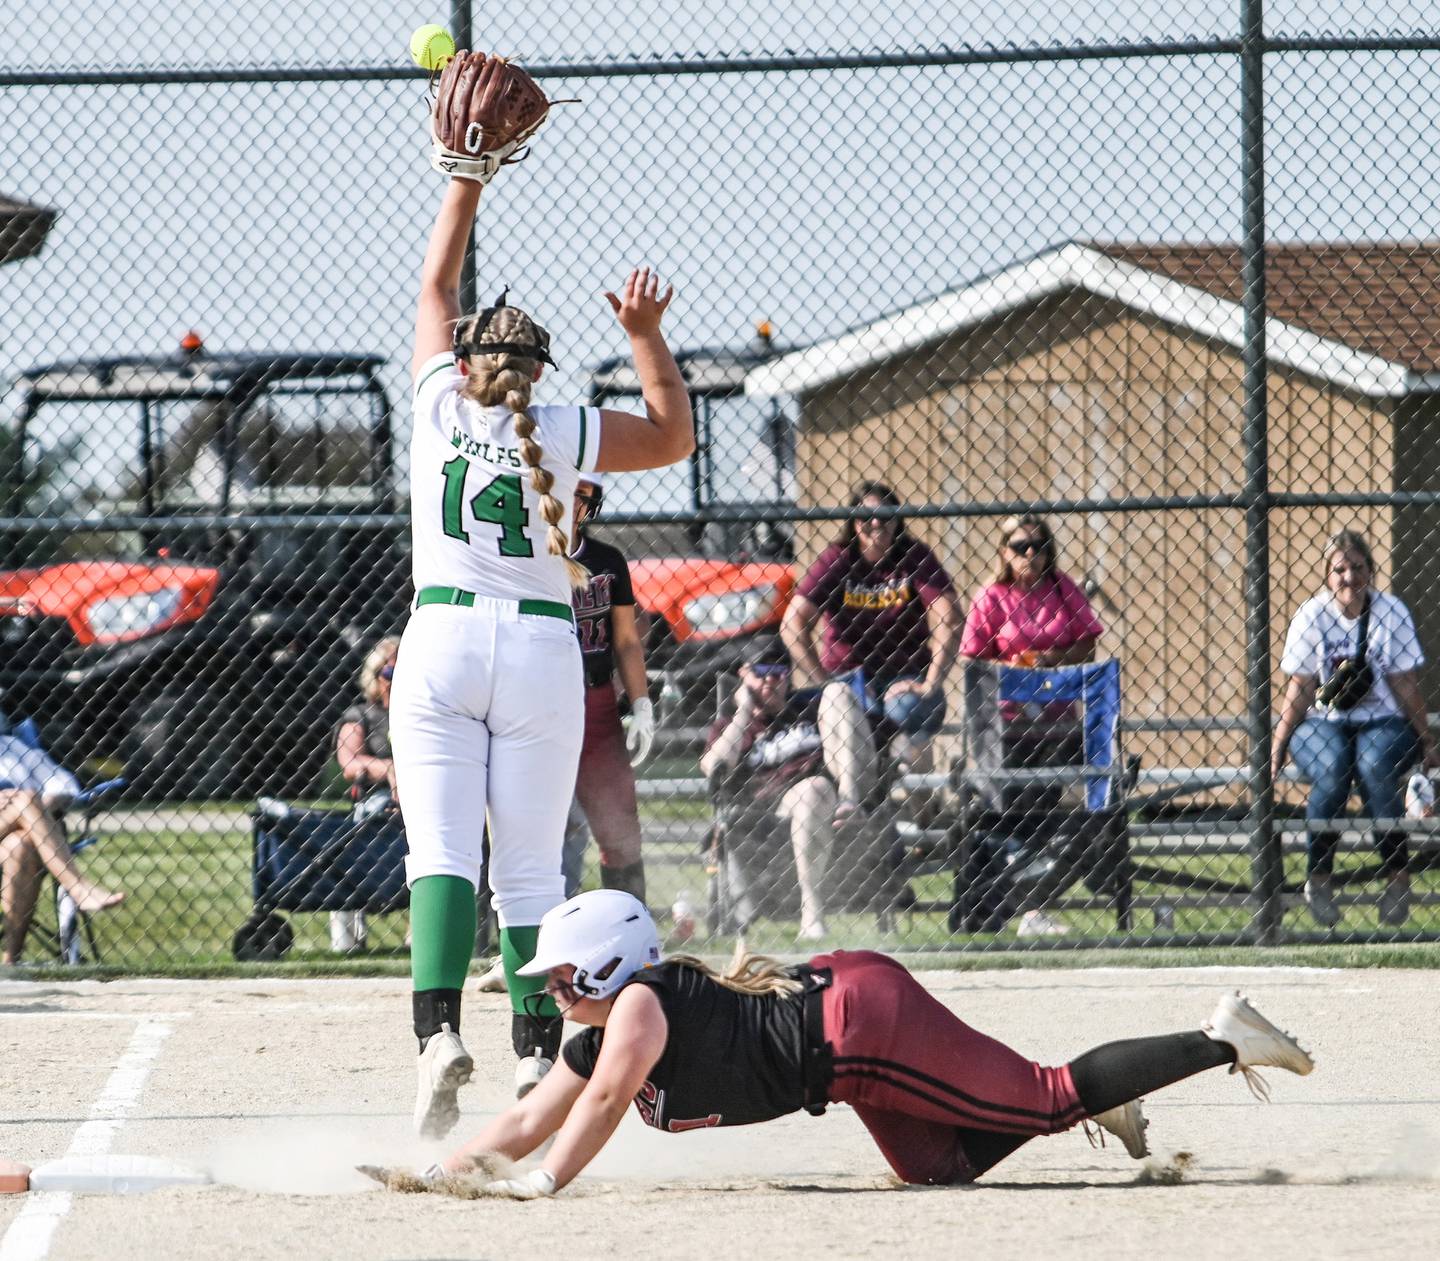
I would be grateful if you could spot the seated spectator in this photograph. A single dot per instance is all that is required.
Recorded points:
(795, 758)
(362, 747)
(1355, 649)
(887, 615)
(1031, 614)
(33, 789)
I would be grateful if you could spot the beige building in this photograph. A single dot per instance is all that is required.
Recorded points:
(1102, 370)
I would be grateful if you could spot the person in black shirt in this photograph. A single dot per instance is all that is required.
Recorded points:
(791, 758)
(692, 1049)
(609, 641)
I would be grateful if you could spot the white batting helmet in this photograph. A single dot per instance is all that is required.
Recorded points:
(606, 935)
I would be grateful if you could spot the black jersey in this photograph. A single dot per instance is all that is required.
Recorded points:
(729, 1059)
(609, 587)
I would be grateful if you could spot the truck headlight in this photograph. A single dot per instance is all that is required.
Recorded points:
(731, 611)
(126, 616)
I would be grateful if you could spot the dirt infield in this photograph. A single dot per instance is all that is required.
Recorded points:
(280, 1087)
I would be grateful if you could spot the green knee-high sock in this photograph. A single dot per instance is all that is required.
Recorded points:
(517, 947)
(442, 932)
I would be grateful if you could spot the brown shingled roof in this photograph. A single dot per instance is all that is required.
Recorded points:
(1379, 296)
(22, 229)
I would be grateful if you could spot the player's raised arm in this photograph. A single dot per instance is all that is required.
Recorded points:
(439, 304)
(666, 433)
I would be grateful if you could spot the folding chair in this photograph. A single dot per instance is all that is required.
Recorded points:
(72, 935)
(1019, 838)
(318, 860)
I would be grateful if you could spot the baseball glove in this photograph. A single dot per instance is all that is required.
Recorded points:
(485, 111)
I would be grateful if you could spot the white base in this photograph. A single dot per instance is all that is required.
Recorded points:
(114, 1175)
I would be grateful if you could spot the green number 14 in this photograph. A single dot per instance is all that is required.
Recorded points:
(500, 503)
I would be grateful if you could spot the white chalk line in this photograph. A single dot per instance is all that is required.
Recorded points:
(218, 1012)
(33, 1230)
(93, 1015)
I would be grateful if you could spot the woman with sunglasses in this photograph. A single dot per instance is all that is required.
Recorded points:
(1031, 614)
(487, 715)
(885, 615)
(692, 1049)
(362, 748)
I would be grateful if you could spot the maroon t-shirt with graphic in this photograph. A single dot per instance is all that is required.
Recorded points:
(609, 587)
(875, 614)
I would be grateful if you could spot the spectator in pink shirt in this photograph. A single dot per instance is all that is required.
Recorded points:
(1032, 615)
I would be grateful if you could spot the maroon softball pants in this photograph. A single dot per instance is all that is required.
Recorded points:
(942, 1101)
(605, 783)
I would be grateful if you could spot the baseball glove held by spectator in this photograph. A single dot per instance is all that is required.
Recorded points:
(485, 110)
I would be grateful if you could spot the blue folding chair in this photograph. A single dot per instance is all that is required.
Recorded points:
(1029, 734)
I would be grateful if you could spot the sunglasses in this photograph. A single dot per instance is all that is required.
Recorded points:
(770, 670)
(387, 672)
(1023, 547)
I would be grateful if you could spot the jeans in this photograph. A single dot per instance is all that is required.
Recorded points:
(914, 714)
(910, 713)
(1332, 756)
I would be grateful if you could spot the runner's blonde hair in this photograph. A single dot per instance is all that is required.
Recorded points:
(747, 974)
(506, 379)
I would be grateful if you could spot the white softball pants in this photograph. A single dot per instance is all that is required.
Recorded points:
(487, 718)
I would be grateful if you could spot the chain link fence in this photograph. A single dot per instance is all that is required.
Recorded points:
(1037, 358)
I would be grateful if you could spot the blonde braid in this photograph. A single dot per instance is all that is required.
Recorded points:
(507, 378)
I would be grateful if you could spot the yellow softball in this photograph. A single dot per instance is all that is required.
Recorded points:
(431, 46)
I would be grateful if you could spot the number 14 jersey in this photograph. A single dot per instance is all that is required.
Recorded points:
(475, 518)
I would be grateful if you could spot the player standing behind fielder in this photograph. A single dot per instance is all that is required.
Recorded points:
(487, 700)
(609, 641)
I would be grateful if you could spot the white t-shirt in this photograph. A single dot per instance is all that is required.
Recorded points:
(34, 770)
(475, 518)
(1321, 637)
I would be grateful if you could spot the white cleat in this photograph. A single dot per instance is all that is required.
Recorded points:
(1037, 924)
(444, 1066)
(1128, 1124)
(493, 980)
(1257, 1042)
(529, 1072)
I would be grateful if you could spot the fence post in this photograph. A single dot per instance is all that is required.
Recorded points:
(1265, 858)
(462, 27)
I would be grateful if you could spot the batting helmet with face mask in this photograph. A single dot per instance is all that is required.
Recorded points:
(605, 935)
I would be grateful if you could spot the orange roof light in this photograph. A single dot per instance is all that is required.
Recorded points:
(191, 343)
(764, 330)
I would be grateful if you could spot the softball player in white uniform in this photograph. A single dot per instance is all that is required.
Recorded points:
(488, 698)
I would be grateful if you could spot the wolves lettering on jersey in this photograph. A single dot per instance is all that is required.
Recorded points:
(475, 517)
(467, 445)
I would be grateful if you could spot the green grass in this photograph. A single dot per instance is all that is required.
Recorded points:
(189, 890)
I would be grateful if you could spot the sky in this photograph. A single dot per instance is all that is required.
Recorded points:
(293, 216)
